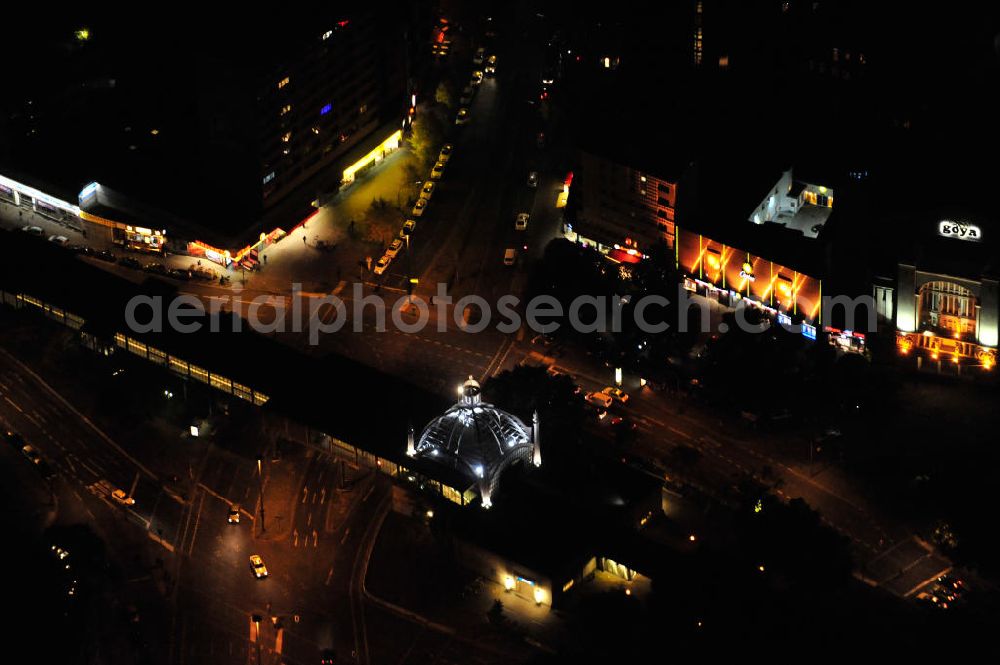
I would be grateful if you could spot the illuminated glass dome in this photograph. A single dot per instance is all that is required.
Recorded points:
(476, 439)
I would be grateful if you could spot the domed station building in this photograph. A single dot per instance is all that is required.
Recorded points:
(476, 441)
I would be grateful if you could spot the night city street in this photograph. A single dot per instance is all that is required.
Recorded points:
(529, 332)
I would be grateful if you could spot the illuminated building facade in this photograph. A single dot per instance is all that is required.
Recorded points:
(729, 275)
(622, 211)
(946, 295)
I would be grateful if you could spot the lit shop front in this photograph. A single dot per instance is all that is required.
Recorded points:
(730, 275)
(947, 311)
(246, 258)
(376, 155)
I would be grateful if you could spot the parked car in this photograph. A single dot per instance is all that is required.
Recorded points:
(382, 264)
(234, 514)
(131, 262)
(409, 226)
(419, 207)
(105, 255)
(33, 230)
(121, 497)
(533, 179)
(394, 248)
(155, 268)
(477, 77)
(509, 256)
(81, 249)
(445, 153)
(59, 240)
(491, 65)
(463, 116)
(521, 223)
(427, 191)
(437, 171)
(179, 273)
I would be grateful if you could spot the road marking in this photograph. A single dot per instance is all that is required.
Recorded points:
(347, 532)
(11, 402)
(329, 576)
(679, 432)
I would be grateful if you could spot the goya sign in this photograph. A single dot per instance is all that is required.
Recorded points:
(959, 230)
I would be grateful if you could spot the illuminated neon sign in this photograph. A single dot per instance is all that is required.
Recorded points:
(746, 272)
(959, 230)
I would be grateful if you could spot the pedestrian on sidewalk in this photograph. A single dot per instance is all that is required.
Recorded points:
(303, 239)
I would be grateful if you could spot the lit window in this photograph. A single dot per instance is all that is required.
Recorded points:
(282, 83)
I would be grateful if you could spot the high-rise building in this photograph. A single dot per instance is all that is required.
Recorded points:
(344, 83)
(623, 210)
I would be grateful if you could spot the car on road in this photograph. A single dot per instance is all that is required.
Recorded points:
(437, 171)
(59, 240)
(477, 77)
(234, 514)
(121, 497)
(622, 423)
(131, 262)
(509, 256)
(467, 93)
(445, 153)
(602, 400)
(491, 65)
(33, 230)
(32, 454)
(617, 394)
(257, 567)
(81, 249)
(418, 208)
(409, 226)
(155, 268)
(382, 264)
(463, 116)
(327, 657)
(477, 59)
(533, 179)
(521, 223)
(427, 191)
(105, 255)
(394, 248)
